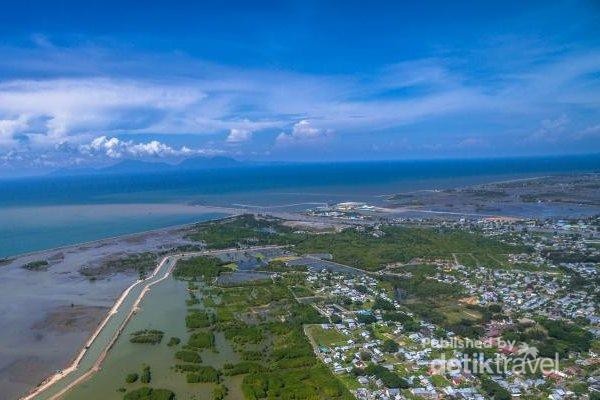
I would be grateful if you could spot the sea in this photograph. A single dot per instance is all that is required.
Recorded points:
(38, 213)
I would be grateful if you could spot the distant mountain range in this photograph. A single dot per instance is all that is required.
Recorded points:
(139, 167)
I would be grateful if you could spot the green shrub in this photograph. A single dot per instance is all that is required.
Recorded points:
(203, 374)
(220, 392)
(150, 336)
(251, 355)
(242, 368)
(130, 378)
(146, 375)
(201, 340)
(494, 390)
(188, 356)
(366, 318)
(188, 367)
(308, 383)
(146, 393)
(389, 378)
(390, 346)
(198, 319)
(199, 267)
(39, 265)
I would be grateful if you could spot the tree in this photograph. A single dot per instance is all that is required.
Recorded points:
(366, 318)
(146, 375)
(389, 346)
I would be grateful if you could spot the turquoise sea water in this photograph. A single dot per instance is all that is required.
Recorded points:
(26, 229)
(39, 213)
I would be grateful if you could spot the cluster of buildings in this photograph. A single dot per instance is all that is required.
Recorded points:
(363, 344)
(527, 286)
(346, 210)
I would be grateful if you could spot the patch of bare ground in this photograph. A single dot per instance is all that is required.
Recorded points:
(313, 226)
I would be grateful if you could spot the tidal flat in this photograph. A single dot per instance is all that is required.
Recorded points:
(205, 340)
(163, 309)
(48, 313)
(26, 229)
(556, 196)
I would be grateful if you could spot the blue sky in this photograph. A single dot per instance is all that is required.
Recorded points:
(92, 83)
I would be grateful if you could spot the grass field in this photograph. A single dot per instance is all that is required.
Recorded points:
(454, 313)
(326, 337)
(467, 260)
(302, 291)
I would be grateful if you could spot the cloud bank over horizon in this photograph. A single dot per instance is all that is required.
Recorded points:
(72, 98)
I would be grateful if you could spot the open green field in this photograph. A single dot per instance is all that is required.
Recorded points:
(466, 259)
(326, 337)
(302, 291)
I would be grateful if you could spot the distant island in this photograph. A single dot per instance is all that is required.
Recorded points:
(141, 167)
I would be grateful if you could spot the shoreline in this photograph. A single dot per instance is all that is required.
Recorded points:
(96, 366)
(229, 212)
(117, 298)
(48, 382)
(51, 380)
(80, 254)
(268, 209)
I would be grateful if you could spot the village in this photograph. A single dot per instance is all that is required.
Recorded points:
(381, 349)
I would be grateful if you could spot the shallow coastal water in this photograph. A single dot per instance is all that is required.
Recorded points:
(46, 316)
(44, 212)
(164, 309)
(26, 229)
(40, 214)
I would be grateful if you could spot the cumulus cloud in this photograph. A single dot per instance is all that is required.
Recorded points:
(237, 135)
(115, 148)
(53, 95)
(303, 132)
(102, 150)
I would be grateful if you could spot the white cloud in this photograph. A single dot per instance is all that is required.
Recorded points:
(550, 130)
(116, 148)
(237, 135)
(65, 101)
(41, 41)
(422, 72)
(592, 131)
(303, 132)
(102, 150)
(76, 106)
(10, 127)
